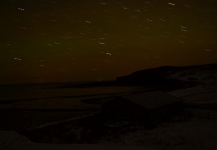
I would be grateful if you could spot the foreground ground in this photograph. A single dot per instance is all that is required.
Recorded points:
(197, 132)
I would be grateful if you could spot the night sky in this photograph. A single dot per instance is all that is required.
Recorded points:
(83, 40)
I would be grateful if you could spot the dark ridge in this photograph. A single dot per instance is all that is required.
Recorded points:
(159, 77)
(162, 77)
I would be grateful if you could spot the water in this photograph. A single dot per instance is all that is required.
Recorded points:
(41, 91)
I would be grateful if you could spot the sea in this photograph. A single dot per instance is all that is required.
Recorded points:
(58, 90)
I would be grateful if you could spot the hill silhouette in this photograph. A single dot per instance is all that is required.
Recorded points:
(172, 76)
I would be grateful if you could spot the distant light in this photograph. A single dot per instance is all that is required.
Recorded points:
(137, 10)
(49, 45)
(162, 20)
(17, 58)
(22, 9)
(187, 6)
(149, 20)
(87, 21)
(208, 50)
(42, 66)
(23, 28)
(183, 27)
(101, 43)
(103, 3)
(125, 8)
(182, 42)
(172, 4)
(184, 30)
(108, 54)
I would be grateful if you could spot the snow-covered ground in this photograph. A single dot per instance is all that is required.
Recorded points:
(197, 93)
(204, 74)
(10, 140)
(195, 133)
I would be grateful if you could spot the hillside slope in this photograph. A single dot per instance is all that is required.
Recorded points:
(202, 74)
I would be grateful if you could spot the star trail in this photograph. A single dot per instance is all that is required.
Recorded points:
(83, 40)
